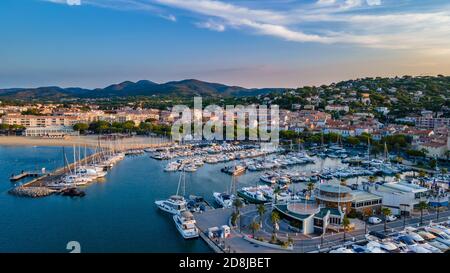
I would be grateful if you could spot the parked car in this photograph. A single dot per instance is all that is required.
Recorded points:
(391, 218)
(374, 220)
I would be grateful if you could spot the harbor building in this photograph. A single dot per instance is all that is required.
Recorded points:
(50, 131)
(400, 197)
(363, 201)
(334, 196)
(325, 211)
(309, 217)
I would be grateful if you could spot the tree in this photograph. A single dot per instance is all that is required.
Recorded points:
(234, 218)
(237, 203)
(397, 177)
(354, 141)
(386, 213)
(345, 224)
(276, 191)
(422, 174)
(422, 206)
(343, 182)
(81, 127)
(310, 187)
(128, 125)
(372, 179)
(261, 210)
(254, 227)
(275, 219)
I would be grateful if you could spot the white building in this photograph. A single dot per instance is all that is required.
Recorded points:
(400, 196)
(50, 131)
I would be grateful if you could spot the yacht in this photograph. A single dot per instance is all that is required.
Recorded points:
(190, 168)
(252, 195)
(268, 178)
(225, 200)
(185, 223)
(174, 205)
(284, 180)
(342, 250)
(238, 170)
(172, 167)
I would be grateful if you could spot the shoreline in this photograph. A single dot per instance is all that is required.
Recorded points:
(135, 142)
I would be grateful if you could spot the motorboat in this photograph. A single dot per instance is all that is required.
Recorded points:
(185, 224)
(174, 205)
(342, 250)
(225, 200)
(252, 195)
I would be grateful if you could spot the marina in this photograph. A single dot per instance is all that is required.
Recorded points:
(204, 192)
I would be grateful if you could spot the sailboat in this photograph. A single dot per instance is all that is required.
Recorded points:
(226, 199)
(175, 204)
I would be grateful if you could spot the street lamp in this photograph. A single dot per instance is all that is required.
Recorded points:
(403, 206)
(438, 207)
(344, 209)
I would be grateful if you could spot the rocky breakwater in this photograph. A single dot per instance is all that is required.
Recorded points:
(33, 192)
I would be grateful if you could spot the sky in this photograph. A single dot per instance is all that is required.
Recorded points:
(249, 43)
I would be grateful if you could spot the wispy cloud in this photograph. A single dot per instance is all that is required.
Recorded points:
(211, 25)
(370, 23)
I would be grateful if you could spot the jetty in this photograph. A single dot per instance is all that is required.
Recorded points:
(42, 185)
(22, 175)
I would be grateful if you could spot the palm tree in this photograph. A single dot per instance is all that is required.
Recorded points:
(275, 219)
(237, 203)
(310, 187)
(261, 210)
(345, 224)
(422, 174)
(422, 205)
(386, 213)
(276, 191)
(254, 227)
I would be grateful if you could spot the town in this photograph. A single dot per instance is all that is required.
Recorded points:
(362, 166)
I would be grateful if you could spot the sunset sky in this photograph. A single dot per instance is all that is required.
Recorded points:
(251, 43)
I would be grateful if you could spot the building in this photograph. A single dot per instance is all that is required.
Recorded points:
(325, 211)
(40, 121)
(50, 132)
(434, 149)
(382, 110)
(365, 98)
(364, 201)
(399, 197)
(337, 108)
(428, 122)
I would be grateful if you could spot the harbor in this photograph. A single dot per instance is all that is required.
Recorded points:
(292, 185)
(288, 180)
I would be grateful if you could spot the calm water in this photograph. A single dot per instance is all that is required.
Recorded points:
(116, 215)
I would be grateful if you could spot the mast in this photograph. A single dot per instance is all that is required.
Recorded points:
(74, 159)
(386, 153)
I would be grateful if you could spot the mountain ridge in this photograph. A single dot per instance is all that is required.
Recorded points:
(183, 88)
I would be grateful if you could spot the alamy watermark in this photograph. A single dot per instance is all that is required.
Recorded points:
(251, 122)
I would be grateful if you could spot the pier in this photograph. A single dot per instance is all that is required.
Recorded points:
(38, 187)
(17, 177)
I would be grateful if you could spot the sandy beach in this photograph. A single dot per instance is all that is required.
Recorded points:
(91, 141)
